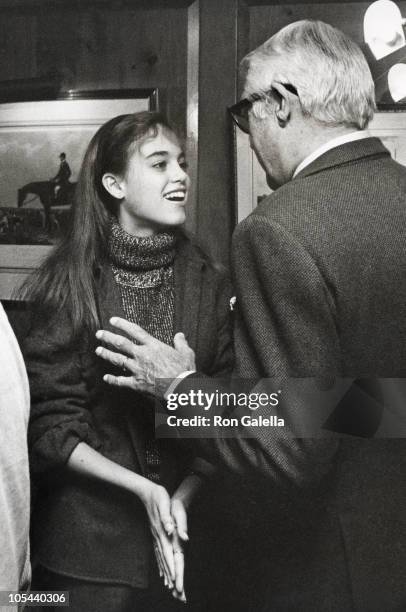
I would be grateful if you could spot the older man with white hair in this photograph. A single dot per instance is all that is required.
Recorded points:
(320, 278)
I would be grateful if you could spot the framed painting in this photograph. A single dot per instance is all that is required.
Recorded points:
(250, 179)
(42, 144)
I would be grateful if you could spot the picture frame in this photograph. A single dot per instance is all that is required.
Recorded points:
(34, 134)
(250, 178)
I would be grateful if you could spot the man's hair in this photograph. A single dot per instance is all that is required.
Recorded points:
(328, 69)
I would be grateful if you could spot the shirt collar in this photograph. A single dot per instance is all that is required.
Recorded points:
(331, 144)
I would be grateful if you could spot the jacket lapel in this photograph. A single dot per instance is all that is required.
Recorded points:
(188, 290)
(110, 303)
(110, 306)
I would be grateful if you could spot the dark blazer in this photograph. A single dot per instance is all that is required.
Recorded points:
(320, 276)
(84, 528)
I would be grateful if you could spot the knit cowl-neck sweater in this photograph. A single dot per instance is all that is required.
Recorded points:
(143, 271)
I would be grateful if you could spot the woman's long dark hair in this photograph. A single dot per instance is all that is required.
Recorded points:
(66, 279)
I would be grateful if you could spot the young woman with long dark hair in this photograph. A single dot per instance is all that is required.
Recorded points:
(104, 483)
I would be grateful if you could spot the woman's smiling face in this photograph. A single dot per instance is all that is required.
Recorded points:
(155, 186)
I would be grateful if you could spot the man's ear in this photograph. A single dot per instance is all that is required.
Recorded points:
(285, 103)
(113, 186)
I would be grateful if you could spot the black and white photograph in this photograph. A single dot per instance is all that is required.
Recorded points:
(203, 305)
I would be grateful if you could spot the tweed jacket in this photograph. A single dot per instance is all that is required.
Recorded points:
(320, 277)
(84, 528)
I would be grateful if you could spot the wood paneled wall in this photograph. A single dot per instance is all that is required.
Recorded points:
(97, 47)
(266, 20)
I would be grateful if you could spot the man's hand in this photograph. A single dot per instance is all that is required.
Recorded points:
(151, 364)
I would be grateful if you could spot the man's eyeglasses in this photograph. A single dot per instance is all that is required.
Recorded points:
(239, 112)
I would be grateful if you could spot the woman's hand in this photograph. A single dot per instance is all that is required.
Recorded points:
(180, 535)
(163, 514)
(179, 559)
(158, 506)
(169, 527)
(179, 516)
